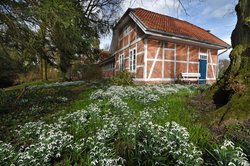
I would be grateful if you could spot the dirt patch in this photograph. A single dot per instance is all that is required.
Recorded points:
(201, 103)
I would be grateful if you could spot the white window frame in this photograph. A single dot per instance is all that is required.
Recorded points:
(203, 55)
(132, 59)
(108, 67)
(121, 62)
(126, 30)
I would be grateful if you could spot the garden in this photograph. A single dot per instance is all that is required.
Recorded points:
(79, 123)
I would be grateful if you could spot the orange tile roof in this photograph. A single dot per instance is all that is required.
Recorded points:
(104, 55)
(175, 26)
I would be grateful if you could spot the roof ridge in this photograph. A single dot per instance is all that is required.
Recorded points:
(169, 17)
(155, 12)
(175, 19)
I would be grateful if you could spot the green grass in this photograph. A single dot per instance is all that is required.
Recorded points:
(15, 112)
(33, 83)
(180, 112)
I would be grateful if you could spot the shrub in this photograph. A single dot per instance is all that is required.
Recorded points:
(122, 78)
(86, 72)
(7, 70)
(34, 74)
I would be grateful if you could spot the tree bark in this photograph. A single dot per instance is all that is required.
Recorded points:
(231, 94)
(44, 69)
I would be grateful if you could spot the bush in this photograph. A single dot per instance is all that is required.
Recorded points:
(7, 70)
(122, 78)
(29, 76)
(34, 74)
(86, 72)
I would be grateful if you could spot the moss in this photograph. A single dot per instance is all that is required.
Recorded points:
(236, 110)
(235, 57)
(231, 94)
(247, 21)
(244, 73)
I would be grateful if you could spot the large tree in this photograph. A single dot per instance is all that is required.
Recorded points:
(14, 30)
(231, 94)
(55, 31)
(7, 70)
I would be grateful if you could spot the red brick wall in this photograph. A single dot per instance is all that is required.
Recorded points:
(177, 58)
(172, 58)
(107, 74)
(131, 41)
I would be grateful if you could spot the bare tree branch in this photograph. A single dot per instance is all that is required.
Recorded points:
(183, 7)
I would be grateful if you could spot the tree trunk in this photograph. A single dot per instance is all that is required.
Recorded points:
(66, 71)
(231, 94)
(44, 69)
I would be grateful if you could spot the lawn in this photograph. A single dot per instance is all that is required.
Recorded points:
(78, 123)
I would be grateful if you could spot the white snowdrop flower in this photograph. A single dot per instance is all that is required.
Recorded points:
(220, 163)
(58, 155)
(228, 143)
(231, 164)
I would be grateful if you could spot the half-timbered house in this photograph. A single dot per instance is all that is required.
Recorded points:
(157, 48)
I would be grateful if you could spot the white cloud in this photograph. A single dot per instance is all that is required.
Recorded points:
(169, 7)
(208, 14)
(218, 11)
(105, 41)
(225, 55)
(227, 40)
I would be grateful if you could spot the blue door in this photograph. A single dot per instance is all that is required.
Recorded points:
(203, 71)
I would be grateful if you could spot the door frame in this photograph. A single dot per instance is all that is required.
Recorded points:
(203, 56)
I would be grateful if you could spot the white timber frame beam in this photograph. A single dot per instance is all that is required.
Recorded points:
(211, 61)
(175, 61)
(145, 58)
(155, 59)
(188, 54)
(163, 57)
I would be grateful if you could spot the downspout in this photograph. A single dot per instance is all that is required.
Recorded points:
(218, 70)
(224, 51)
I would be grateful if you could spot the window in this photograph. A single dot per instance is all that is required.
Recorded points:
(203, 56)
(109, 67)
(126, 30)
(122, 62)
(132, 60)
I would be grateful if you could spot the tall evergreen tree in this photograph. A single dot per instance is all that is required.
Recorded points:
(55, 29)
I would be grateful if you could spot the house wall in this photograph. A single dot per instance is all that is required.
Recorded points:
(160, 61)
(132, 39)
(165, 61)
(108, 69)
(107, 73)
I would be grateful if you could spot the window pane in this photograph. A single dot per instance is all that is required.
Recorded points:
(123, 62)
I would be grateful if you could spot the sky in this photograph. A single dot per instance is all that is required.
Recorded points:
(218, 16)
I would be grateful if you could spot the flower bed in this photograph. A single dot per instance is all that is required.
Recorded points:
(111, 131)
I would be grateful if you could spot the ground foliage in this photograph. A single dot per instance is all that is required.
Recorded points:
(118, 125)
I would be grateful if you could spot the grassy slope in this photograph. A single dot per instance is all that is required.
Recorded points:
(34, 105)
(180, 112)
(14, 113)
